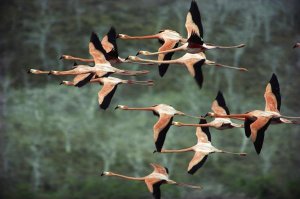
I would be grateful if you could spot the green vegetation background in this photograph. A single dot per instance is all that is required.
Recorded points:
(55, 141)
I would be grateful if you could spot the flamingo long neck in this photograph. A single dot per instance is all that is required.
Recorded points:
(141, 37)
(176, 150)
(68, 57)
(139, 109)
(161, 62)
(234, 116)
(127, 177)
(196, 125)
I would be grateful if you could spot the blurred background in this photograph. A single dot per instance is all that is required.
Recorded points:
(54, 140)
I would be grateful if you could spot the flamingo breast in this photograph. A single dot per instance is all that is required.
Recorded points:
(205, 148)
(166, 109)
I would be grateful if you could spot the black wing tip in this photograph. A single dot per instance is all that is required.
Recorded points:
(94, 37)
(194, 5)
(276, 89)
(102, 106)
(194, 38)
(167, 170)
(220, 98)
(221, 101)
(274, 77)
(247, 124)
(198, 72)
(257, 148)
(112, 30)
(202, 121)
(191, 172)
(205, 129)
(259, 143)
(162, 69)
(158, 146)
(274, 82)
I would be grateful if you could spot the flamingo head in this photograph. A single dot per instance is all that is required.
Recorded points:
(177, 123)
(121, 107)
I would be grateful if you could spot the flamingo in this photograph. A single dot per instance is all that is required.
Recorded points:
(110, 46)
(154, 180)
(102, 67)
(218, 106)
(193, 63)
(297, 45)
(256, 122)
(202, 149)
(110, 85)
(169, 40)
(165, 113)
(195, 43)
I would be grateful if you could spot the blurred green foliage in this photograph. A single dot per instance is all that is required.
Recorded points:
(55, 141)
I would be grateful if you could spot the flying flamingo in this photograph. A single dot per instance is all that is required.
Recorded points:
(165, 114)
(110, 85)
(202, 149)
(195, 43)
(218, 106)
(256, 122)
(193, 63)
(297, 45)
(169, 40)
(110, 46)
(102, 67)
(154, 180)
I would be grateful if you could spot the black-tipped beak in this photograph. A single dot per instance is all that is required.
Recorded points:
(206, 115)
(50, 72)
(102, 174)
(61, 83)
(155, 151)
(28, 71)
(137, 53)
(61, 57)
(116, 107)
(126, 58)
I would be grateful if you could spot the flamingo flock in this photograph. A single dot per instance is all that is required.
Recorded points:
(105, 55)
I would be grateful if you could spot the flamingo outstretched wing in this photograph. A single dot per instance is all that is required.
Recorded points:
(160, 130)
(96, 50)
(272, 95)
(106, 93)
(197, 162)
